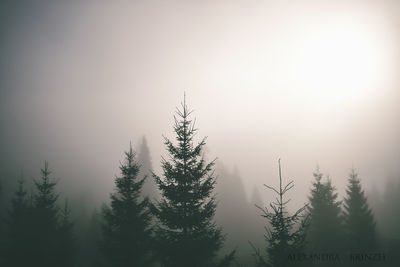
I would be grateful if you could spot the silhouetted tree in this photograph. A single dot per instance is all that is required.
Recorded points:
(358, 217)
(45, 216)
(284, 241)
(19, 230)
(187, 235)
(144, 159)
(126, 223)
(325, 232)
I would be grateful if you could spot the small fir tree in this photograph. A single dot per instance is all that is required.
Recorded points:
(358, 217)
(286, 234)
(126, 228)
(187, 234)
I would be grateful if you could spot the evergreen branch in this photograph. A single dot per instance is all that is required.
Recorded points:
(289, 186)
(270, 187)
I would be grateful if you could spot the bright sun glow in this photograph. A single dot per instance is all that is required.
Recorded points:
(341, 64)
(328, 65)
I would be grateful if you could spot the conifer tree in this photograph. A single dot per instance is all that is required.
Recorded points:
(187, 234)
(45, 216)
(325, 232)
(358, 217)
(284, 239)
(19, 230)
(126, 222)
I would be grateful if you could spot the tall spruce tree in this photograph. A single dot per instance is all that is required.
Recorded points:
(187, 234)
(286, 234)
(358, 217)
(325, 232)
(126, 228)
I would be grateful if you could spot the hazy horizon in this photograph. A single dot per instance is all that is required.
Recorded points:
(312, 83)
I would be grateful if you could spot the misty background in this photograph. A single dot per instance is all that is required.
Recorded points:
(311, 82)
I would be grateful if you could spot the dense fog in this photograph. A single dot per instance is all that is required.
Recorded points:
(313, 83)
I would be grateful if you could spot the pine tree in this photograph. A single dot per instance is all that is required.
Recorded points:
(326, 225)
(187, 235)
(283, 239)
(45, 216)
(45, 200)
(358, 217)
(19, 229)
(126, 228)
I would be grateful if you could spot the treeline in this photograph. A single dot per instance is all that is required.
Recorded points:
(177, 226)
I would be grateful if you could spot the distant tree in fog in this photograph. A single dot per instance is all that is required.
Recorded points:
(326, 231)
(358, 217)
(187, 235)
(36, 234)
(126, 227)
(388, 210)
(18, 229)
(283, 238)
(144, 160)
(232, 197)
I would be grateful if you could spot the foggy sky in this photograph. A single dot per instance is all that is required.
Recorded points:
(79, 81)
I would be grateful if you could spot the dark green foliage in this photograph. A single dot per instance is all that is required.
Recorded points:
(89, 250)
(282, 237)
(19, 230)
(34, 227)
(45, 215)
(126, 223)
(35, 230)
(66, 241)
(326, 224)
(45, 201)
(358, 217)
(187, 235)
